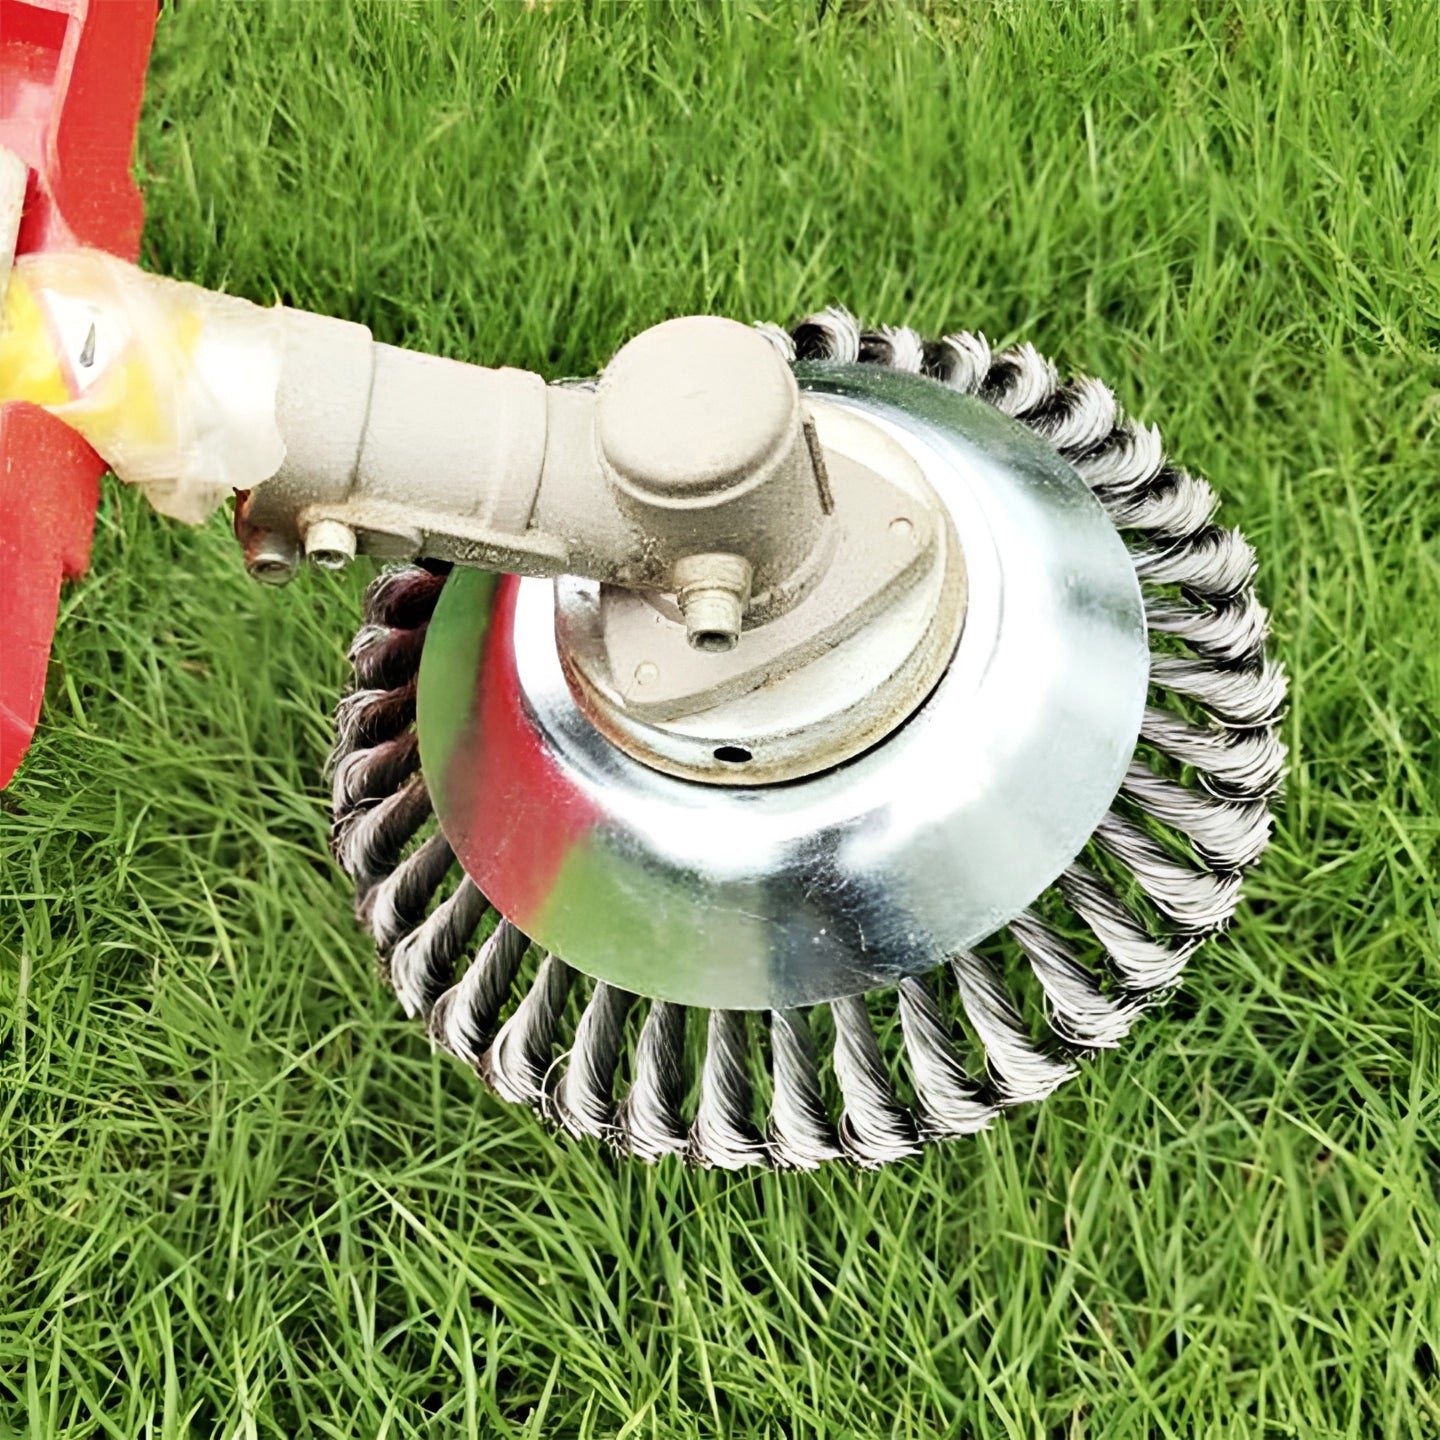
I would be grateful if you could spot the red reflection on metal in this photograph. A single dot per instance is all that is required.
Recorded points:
(511, 825)
(72, 74)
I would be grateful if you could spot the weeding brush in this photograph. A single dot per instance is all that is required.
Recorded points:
(1108, 937)
(880, 726)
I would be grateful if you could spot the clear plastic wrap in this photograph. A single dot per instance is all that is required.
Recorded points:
(174, 385)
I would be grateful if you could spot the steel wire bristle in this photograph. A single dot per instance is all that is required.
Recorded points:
(874, 1127)
(950, 1103)
(723, 1134)
(1140, 962)
(1019, 1069)
(894, 348)
(1228, 632)
(829, 335)
(1019, 381)
(404, 598)
(1243, 764)
(369, 842)
(801, 1133)
(961, 361)
(1080, 1012)
(365, 718)
(371, 774)
(1227, 834)
(1125, 466)
(1247, 698)
(648, 1122)
(1214, 564)
(1197, 900)
(422, 963)
(518, 1060)
(384, 658)
(584, 1098)
(1077, 417)
(394, 906)
(465, 1015)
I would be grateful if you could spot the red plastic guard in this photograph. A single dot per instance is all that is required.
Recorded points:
(72, 74)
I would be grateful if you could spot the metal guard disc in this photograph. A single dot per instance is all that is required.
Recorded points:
(794, 894)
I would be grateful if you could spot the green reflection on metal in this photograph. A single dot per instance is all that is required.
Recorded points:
(450, 668)
(600, 904)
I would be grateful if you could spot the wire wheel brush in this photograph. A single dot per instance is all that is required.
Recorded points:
(898, 755)
(788, 746)
(784, 747)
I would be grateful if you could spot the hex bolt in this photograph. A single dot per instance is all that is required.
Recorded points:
(271, 558)
(330, 544)
(713, 591)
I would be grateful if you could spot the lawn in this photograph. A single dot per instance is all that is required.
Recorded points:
(240, 1197)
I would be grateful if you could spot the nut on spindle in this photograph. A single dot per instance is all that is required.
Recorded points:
(713, 591)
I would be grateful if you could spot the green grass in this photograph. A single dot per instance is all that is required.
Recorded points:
(239, 1195)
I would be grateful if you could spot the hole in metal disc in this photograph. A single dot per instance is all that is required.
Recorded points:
(733, 754)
